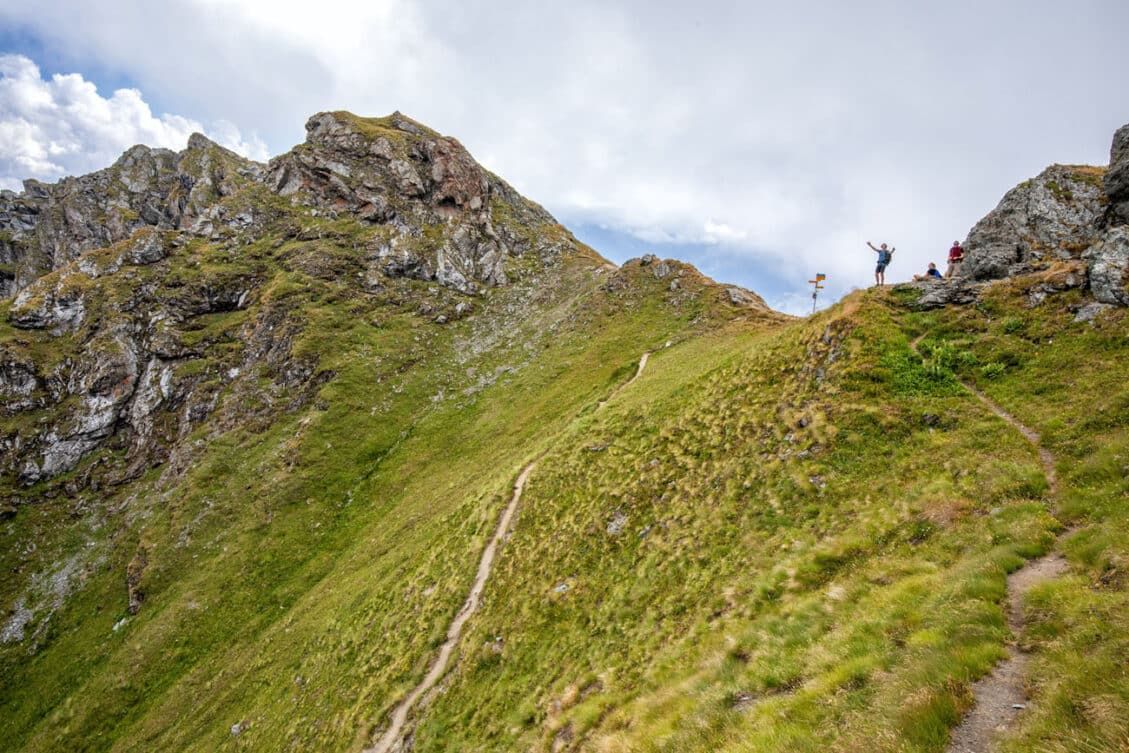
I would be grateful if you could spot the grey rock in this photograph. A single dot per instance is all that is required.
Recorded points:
(744, 298)
(148, 248)
(933, 295)
(1116, 179)
(1109, 266)
(1091, 311)
(1051, 217)
(48, 225)
(617, 523)
(57, 308)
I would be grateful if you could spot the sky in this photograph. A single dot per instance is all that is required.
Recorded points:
(762, 142)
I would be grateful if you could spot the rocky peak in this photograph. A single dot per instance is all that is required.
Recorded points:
(48, 225)
(1053, 216)
(1071, 218)
(198, 141)
(440, 216)
(132, 270)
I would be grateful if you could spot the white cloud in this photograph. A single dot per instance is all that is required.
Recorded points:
(785, 133)
(63, 126)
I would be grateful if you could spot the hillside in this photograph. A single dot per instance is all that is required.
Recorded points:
(262, 421)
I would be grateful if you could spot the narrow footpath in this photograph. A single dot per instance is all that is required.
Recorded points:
(1000, 697)
(392, 741)
(638, 372)
(391, 737)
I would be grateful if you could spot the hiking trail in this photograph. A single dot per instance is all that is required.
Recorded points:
(999, 697)
(638, 372)
(393, 737)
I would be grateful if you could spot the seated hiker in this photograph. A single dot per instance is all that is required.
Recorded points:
(930, 274)
(956, 256)
(884, 257)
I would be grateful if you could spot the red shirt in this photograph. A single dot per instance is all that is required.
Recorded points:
(956, 252)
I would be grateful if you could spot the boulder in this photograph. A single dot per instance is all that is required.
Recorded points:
(1109, 266)
(931, 294)
(1051, 217)
(1117, 177)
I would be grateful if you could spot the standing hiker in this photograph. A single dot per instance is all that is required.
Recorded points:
(956, 256)
(884, 257)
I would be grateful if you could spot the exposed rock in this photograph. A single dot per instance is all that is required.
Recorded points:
(47, 226)
(1091, 311)
(1117, 176)
(435, 201)
(936, 294)
(58, 306)
(134, 571)
(745, 298)
(617, 523)
(1109, 266)
(1053, 216)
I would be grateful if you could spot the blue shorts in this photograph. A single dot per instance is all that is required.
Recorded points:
(881, 268)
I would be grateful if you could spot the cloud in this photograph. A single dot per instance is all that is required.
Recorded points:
(785, 134)
(63, 126)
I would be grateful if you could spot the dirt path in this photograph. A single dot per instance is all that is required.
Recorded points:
(1000, 697)
(393, 737)
(638, 372)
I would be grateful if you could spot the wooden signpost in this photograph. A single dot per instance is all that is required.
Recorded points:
(816, 288)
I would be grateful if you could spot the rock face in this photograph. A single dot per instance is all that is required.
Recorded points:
(1117, 177)
(1051, 217)
(1109, 266)
(434, 202)
(145, 281)
(47, 226)
(934, 294)
(1068, 216)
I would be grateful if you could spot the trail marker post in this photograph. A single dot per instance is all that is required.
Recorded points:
(816, 287)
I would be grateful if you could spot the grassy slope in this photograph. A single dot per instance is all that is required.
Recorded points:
(1068, 381)
(298, 576)
(814, 565)
(814, 533)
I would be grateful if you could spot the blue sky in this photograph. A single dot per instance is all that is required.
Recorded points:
(761, 142)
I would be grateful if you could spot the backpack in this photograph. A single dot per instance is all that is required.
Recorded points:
(884, 257)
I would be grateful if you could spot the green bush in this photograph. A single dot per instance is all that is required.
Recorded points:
(992, 370)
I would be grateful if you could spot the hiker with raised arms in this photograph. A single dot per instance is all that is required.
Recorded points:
(884, 257)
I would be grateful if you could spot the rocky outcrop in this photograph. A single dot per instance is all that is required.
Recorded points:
(47, 226)
(436, 205)
(1054, 216)
(937, 293)
(1117, 177)
(128, 274)
(1109, 266)
(1070, 218)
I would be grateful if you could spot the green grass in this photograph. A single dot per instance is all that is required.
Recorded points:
(818, 526)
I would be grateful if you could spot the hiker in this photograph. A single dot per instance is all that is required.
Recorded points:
(930, 274)
(956, 256)
(884, 257)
